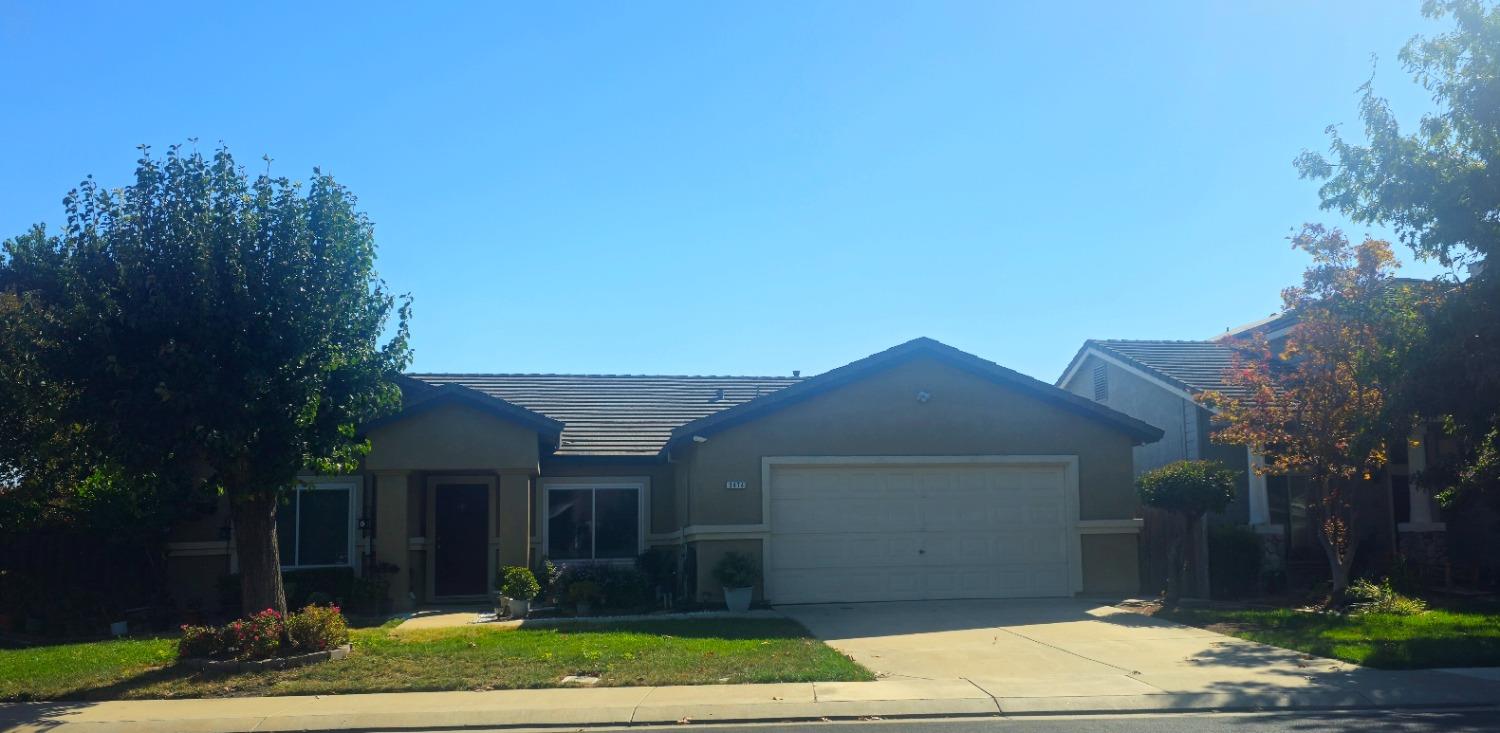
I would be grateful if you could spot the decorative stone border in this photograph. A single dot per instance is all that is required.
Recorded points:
(259, 665)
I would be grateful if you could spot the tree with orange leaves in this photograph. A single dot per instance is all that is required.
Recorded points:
(1324, 405)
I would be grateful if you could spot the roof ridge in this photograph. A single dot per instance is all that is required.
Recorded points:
(603, 375)
(1209, 342)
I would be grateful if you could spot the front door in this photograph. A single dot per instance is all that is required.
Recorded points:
(461, 519)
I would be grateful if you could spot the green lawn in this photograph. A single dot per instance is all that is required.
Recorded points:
(667, 652)
(1437, 638)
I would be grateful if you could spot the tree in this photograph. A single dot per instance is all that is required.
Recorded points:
(1324, 405)
(1438, 187)
(198, 331)
(1189, 489)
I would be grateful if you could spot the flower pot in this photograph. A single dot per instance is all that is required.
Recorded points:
(737, 599)
(519, 608)
(501, 605)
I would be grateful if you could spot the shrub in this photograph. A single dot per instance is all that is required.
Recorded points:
(615, 587)
(257, 637)
(200, 641)
(584, 591)
(659, 564)
(518, 583)
(316, 629)
(369, 594)
(267, 634)
(736, 570)
(1371, 597)
(547, 576)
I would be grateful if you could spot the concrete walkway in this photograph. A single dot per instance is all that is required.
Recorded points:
(449, 618)
(942, 659)
(709, 703)
(1063, 654)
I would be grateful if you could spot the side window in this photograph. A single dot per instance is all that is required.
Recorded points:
(313, 526)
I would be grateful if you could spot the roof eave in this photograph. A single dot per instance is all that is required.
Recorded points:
(1139, 430)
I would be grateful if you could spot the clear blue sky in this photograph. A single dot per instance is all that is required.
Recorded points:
(743, 188)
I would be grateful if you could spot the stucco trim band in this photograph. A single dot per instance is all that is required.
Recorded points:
(1110, 526)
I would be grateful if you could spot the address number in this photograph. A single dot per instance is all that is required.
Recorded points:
(734, 484)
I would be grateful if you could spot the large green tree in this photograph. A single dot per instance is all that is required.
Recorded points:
(198, 330)
(1438, 187)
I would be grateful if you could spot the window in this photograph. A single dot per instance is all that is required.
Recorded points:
(1101, 383)
(594, 521)
(314, 525)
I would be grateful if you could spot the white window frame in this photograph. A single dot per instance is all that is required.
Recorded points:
(349, 484)
(640, 484)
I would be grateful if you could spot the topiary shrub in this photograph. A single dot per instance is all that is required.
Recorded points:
(1188, 489)
(518, 583)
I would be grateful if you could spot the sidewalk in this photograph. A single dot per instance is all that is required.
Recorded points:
(720, 703)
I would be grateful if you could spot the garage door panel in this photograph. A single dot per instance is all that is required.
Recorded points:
(863, 533)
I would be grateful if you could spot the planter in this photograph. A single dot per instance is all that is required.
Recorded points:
(257, 665)
(519, 608)
(502, 606)
(737, 599)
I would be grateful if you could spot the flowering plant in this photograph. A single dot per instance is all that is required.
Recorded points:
(316, 629)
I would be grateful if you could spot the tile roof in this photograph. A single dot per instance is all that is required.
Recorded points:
(1194, 366)
(1139, 430)
(615, 414)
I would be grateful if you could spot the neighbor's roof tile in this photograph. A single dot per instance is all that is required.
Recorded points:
(1194, 366)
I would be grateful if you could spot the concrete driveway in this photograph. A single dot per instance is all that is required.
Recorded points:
(1061, 647)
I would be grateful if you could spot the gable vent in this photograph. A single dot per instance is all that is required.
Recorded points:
(1101, 383)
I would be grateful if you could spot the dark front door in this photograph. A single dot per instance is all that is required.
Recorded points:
(462, 526)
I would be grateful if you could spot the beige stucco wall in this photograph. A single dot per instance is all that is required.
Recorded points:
(880, 415)
(709, 552)
(1111, 564)
(662, 503)
(391, 539)
(452, 437)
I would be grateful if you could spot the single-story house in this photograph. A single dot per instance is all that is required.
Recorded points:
(1159, 382)
(919, 472)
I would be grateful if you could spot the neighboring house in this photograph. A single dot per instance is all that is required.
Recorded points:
(919, 472)
(1159, 381)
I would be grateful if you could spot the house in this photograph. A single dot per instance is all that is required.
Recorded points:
(918, 472)
(1158, 382)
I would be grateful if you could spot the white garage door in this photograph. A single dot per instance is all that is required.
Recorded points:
(911, 532)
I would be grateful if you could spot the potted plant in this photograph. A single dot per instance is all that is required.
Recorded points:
(518, 586)
(738, 573)
(583, 594)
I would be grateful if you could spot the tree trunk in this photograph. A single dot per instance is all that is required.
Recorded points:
(1175, 575)
(254, 521)
(1340, 560)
